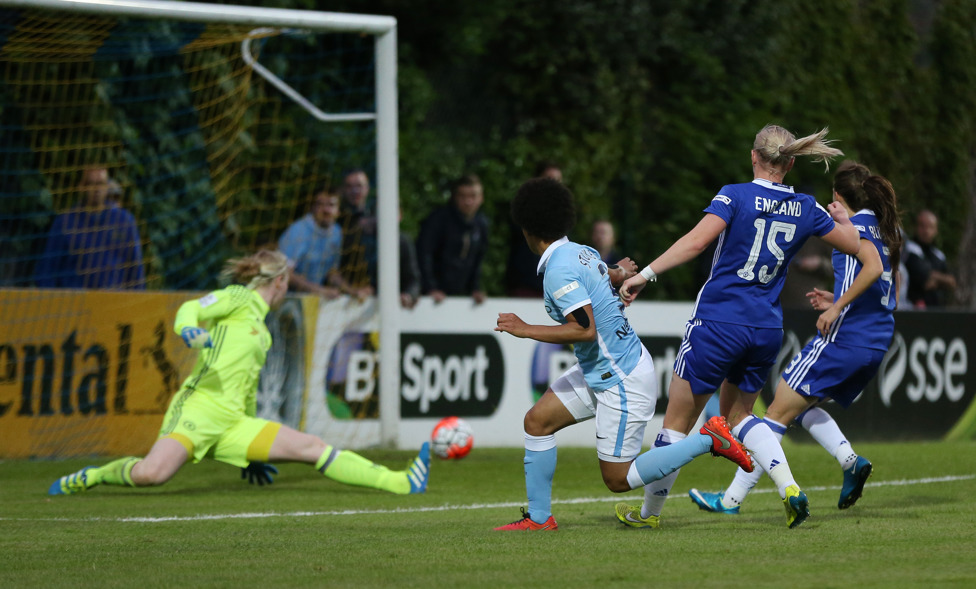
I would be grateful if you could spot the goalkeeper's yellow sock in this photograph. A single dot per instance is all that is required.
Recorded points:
(352, 469)
(117, 472)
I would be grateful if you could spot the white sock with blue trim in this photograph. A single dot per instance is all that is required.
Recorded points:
(825, 430)
(656, 493)
(757, 435)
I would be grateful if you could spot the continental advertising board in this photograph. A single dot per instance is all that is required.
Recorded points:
(86, 373)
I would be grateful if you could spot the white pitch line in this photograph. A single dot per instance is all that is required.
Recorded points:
(472, 506)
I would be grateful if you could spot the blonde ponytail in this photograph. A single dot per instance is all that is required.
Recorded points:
(256, 270)
(777, 146)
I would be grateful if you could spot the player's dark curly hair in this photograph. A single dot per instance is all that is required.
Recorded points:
(544, 207)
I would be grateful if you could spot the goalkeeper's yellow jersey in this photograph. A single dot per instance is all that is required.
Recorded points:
(228, 372)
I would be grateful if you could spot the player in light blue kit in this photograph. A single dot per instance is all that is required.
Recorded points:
(855, 330)
(736, 329)
(614, 378)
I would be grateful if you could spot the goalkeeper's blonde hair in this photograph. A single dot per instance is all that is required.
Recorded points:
(777, 146)
(256, 270)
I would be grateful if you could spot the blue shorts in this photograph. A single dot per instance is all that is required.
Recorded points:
(827, 369)
(712, 352)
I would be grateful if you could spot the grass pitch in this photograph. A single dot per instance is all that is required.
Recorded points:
(913, 527)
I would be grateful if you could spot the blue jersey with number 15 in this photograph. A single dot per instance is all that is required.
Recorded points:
(575, 276)
(767, 224)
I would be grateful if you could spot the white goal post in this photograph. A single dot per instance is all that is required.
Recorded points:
(383, 29)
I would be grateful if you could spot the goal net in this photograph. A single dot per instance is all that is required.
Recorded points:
(140, 147)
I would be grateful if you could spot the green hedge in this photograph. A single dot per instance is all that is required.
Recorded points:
(652, 106)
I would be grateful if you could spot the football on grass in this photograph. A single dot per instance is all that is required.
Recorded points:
(452, 438)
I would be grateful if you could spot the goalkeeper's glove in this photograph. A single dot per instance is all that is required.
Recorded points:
(260, 472)
(196, 337)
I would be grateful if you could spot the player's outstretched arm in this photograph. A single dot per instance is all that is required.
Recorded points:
(871, 270)
(621, 271)
(579, 327)
(196, 311)
(844, 236)
(633, 285)
(820, 300)
(687, 248)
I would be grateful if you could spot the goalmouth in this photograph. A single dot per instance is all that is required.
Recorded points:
(383, 30)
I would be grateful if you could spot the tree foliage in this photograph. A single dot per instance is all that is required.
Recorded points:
(650, 107)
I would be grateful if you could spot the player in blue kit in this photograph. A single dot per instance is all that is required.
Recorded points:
(855, 330)
(736, 328)
(613, 380)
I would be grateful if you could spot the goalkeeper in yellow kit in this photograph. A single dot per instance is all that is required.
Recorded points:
(213, 413)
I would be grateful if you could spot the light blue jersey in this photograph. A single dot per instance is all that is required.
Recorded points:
(575, 276)
(314, 251)
(767, 223)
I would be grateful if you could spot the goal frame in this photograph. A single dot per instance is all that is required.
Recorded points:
(384, 31)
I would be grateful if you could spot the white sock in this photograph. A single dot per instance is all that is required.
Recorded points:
(824, 429)
(740, 486)
(656, 493)
(757, 435)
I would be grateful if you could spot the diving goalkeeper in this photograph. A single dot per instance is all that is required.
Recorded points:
(213, 413)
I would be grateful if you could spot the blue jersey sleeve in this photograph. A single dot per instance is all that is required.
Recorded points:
(723, 205)
(823, 223)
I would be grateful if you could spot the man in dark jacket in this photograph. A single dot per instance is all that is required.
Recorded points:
(358, 223)
(452, 244)
(930, 284)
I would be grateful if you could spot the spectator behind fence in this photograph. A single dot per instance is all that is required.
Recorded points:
(522, 277)
(929, 282)
(358, 222)
(603, 240)
(313, 245)
(409, 271)
(94, 245)
(901, 277)
(452, 244)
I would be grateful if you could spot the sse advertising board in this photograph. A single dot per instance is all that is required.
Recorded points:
(923, 388)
